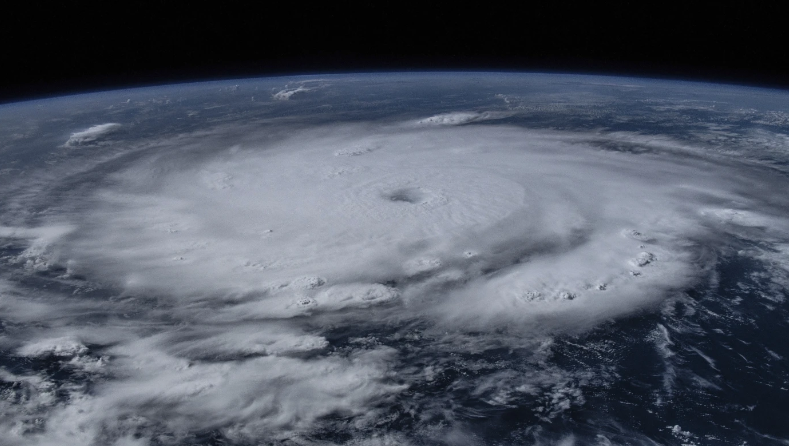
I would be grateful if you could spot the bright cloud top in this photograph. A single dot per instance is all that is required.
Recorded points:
(292, 229)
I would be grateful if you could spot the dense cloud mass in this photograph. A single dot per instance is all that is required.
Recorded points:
(326, 220)
(235, 268)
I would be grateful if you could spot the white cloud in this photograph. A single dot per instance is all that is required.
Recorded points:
(91, 134)
(460, 118)
(66, 346)
(285, 94)
(268, 397)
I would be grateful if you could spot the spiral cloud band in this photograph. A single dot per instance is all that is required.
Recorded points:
(463, 223)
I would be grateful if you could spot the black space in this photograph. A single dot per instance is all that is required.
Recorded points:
(53, 50)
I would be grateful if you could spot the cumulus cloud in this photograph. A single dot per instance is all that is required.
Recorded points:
(252, 398)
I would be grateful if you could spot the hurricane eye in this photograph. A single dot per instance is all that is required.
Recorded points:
(405, 195)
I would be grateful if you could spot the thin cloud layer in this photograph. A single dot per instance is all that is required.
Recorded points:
(285, 94)
(460, 118)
